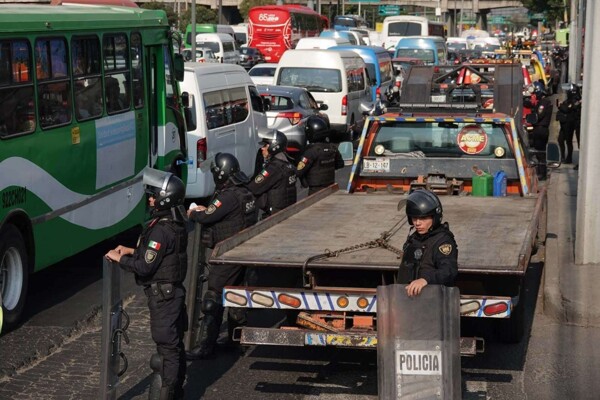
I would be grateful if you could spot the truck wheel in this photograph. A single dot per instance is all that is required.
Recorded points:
(14, 274)
(513, 328)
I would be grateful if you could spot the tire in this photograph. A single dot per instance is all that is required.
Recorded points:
(14, 275)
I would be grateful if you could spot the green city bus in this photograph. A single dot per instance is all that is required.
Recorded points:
(88, 99)
(206, 28)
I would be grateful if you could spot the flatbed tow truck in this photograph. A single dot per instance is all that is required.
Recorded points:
(332, 249)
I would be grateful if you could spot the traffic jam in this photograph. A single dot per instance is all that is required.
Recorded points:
(393, 145)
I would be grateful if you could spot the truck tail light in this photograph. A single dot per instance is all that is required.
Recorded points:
(200, 151)
(345, 105)
(494, 309)
(294, 117)
(288, 300)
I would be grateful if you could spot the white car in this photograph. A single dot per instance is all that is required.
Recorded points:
(263, 74)
(203, 55)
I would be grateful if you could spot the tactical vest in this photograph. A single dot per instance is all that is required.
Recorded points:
(173, 267)
(283, 194)
(243, 217)
(322, 172)
(418, 254)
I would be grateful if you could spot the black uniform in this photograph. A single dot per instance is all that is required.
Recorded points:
(160, 263)
(432, 256)
(567, 116)
(275, 186)
(232, 208)
(541, 129)
(316, 169)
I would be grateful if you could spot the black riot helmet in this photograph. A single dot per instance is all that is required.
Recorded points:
(423, 203)
(168, 190)
(276, 140)
(539, 89)
(225, 167)
(316, 129)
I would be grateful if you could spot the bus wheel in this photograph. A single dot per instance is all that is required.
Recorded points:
(14, 274)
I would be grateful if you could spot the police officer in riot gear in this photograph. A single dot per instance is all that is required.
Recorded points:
(316, 169)
(275, 185)
(231, 209)
(159, 263)
(541, 128)
(430, 252)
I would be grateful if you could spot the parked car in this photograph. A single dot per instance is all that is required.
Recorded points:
(249, 57)
(202, 55)
(263, 74)
(290, 108)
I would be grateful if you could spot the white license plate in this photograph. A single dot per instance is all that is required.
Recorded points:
(379, 164)
(440, 98)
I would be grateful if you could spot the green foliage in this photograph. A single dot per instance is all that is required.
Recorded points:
(553, 9)
(204, 15)
(246, 5)
(155, 5)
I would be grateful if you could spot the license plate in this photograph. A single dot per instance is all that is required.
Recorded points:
(440, 98)
(378, 164)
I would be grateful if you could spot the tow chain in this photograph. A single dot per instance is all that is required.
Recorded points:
(382, 241)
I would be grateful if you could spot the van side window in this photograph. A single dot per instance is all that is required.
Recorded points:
(257, 104)
(228, 46)
(225, 107)
(356, 80)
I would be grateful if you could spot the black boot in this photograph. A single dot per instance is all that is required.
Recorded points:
(207, 341)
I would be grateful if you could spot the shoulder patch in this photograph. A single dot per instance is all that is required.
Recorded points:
(154, 245)
(301, 165)
(445, 249)
(259, 178)
(149, 256)
(217, 203)
(211, 209)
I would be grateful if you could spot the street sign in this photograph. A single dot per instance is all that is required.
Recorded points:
(389, 9)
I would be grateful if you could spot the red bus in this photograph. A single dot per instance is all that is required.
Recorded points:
(275, 29)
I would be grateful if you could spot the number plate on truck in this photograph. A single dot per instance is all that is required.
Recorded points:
(377, 164)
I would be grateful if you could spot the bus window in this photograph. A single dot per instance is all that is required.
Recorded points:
(17, 114)
(54, 91)
(117, 78)
(136, 70)
(87, 82)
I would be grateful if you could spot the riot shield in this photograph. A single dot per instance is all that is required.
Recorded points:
(195, 285)
(114, 323)
(418, 343)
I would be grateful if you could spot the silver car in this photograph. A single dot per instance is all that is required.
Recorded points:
(290, 108)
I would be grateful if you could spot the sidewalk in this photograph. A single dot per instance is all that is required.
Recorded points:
(570, 291)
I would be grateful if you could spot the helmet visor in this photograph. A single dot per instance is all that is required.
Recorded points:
(155, 180)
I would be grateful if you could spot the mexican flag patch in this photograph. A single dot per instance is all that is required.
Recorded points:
(217, 203)
(154, 245)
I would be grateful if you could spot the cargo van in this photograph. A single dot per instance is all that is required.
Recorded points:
(222, 44)
(320, 43)
(336, 78)
(379, 65)
(227, 112)
(431, 49)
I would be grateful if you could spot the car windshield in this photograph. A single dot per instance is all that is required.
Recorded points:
(444, 139)
(213, 46)
(422, 54)
(262, 71)
(313, 79)
(246, 51)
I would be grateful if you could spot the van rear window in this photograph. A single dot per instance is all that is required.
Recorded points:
(313, 79)
(404, 29)
(426, 55)
(214, 46)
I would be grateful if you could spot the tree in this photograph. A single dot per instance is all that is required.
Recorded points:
(246, 5)
(155, 5)
(204, 15)
(553, 9)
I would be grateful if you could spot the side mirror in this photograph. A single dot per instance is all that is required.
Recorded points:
(553, 157)
(178, 67)
(188, 111)
(323, 107)
(266, 104)
(347, 152)
(185, 99)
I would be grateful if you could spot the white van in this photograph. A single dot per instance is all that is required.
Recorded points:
(228, 112)
(335, 78)
(240, 34)
(321, 43)
(222, 44)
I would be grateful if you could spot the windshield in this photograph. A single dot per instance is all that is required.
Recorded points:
(344, 21)
(404, 29)
(313, 79)
(444, 139)
(213, 46)
(427, 56)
